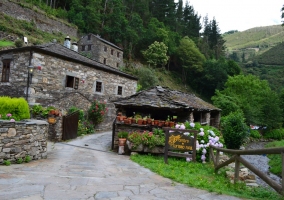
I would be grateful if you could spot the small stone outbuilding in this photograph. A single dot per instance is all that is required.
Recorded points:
(161, 102)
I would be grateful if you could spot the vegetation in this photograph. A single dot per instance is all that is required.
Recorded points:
(5, 43)
(14, 109)
(275, 161)
(97, 112)
(202, 176)
(122, 134)
(7, 162)
(234, 130)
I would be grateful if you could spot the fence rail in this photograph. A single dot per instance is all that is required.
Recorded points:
(236, 157)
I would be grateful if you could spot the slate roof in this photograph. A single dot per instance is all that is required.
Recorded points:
(105, 41)
(58, 50)
(163, 97)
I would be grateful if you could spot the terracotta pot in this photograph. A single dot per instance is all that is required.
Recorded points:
(56, 112)
(156, 122)
(171, 124)
(117, 118)
(149, 121)
(126, 121)
(166, 124)
(121, 141)
(133, 121)
(161, 123)
(52, 112)
(144, 121)
(140, 121)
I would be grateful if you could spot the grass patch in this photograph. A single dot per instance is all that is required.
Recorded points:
(275, 161)
(202, 176)
(4, 43)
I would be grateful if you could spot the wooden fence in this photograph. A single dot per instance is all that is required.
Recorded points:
(236, 157)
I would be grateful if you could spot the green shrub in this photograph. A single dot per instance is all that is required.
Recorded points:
(122, 134)
(147, 78)
(97, 112)
(85, 127)
(74, 109)
(276, 134)
(27, 158)
(255, 134)
(234, 130)
(14, 108)
(19, 161)
(7, 162)
(19, 43)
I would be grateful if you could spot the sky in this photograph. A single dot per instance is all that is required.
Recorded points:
(239, 15)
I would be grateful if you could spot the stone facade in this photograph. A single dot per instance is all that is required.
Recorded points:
(21, 139)
(63, 78)
(101, 50)
(41, 20)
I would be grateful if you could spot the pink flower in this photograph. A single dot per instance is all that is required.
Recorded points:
(182, 126)
(201, 133)
(9, 115)
(12, 120)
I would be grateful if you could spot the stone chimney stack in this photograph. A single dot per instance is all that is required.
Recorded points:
(74, 46)
(67, 42)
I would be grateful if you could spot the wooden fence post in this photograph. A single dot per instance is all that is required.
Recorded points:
(237, 168)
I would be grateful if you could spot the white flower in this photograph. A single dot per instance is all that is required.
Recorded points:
(201, 129)
(204, 151)
(192, 124)
(212, 133)
(177, 125)
(221, 153)
(182, 126)
(202, 141)
(186, 133)
(201, 133)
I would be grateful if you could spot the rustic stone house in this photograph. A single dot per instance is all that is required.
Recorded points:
(161, 102)
(61, 77)
(101, 50)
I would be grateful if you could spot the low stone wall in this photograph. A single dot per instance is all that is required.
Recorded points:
(21, 139)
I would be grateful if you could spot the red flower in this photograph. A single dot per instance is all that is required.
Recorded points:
(93, 111)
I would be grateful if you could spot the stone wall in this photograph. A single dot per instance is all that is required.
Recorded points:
(41, 20)
(21, 139)
(48, 83)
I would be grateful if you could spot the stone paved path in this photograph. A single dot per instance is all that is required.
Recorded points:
(85, 169)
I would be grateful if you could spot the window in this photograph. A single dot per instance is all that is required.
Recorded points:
(105, 48)
(72, 82)
(119, 90)
(117, 65)
(111, 52)
(83, 47)
(89, 47)
(89, 37)
(6, 70)
(117, 54)
(99, 86)
(105, 61)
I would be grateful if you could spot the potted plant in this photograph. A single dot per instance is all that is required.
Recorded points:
(122, 136)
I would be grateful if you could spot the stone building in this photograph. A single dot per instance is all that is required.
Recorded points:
(161, 103)
(101, 50)
(62, 77)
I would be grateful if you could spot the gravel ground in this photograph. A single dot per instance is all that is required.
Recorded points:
(260, 162)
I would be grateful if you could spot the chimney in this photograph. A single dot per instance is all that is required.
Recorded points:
(74, 46)
(67, 42)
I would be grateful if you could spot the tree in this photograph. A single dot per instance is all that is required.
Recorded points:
(190, 58)
(156, 54)
(282, 15)
(253, 96)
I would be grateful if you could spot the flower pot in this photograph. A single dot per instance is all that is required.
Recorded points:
(121, 141)
(117, 118)
(171, 124)
(144, 121)
(166, 124)
(133, 121)
(140, 121)
(51, 120)
(56, 112)
(156, 122)
(161, 123)
(52, 112)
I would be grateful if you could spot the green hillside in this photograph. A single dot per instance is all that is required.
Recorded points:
(259, 37)
(274, 56)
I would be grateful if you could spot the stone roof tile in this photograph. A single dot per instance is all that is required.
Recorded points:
(163, 97)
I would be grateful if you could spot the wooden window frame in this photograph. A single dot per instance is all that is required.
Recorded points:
(72, 82)
(119, 90)
(6, 70)
(117, 54)
(105, 61)
(111, 51)
(83, 47)
(89, 47)
(99, 87)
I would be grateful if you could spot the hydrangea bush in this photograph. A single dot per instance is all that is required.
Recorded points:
(207, 135)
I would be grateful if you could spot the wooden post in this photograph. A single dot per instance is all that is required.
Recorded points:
(237, 169)
(217, 157)
(282, 189)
